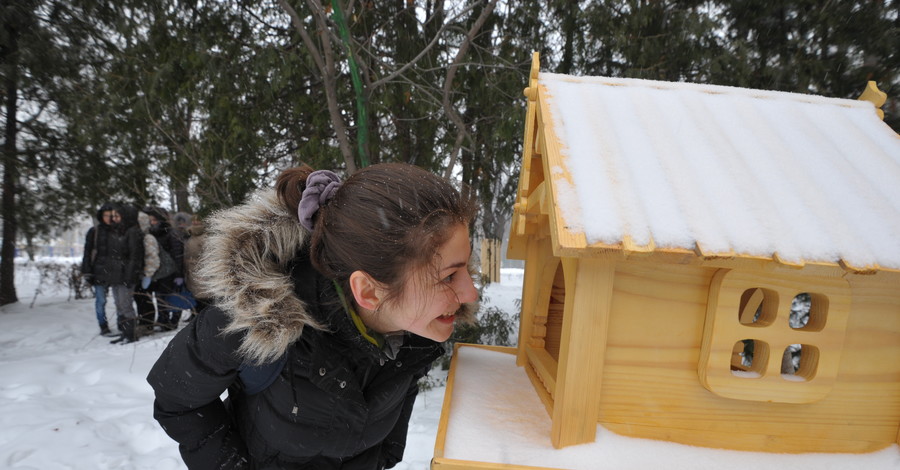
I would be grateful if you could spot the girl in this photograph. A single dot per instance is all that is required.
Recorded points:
(352, 287)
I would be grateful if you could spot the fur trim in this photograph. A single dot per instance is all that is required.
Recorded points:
(244, 267)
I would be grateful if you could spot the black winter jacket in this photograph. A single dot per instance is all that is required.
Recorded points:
(338, 403)
(124, 251)
(96, 261)
(168, 239)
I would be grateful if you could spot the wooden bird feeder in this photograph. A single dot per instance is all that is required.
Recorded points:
(670, 230)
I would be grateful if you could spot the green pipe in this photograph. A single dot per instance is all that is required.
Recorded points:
(362, 134)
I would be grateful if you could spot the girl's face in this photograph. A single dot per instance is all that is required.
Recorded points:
(428, 305)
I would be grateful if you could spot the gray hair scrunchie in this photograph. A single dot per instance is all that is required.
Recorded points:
(320, 188)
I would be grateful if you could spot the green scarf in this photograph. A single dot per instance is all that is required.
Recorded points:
(371, 336)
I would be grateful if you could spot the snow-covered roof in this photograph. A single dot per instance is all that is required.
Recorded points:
(725, 170)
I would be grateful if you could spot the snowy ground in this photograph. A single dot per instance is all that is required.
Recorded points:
(70, 400)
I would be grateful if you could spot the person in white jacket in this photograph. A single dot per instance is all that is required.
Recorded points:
(143, 297)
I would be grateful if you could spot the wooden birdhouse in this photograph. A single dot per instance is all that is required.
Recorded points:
(709, 265)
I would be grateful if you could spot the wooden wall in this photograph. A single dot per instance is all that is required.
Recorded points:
(650, 385)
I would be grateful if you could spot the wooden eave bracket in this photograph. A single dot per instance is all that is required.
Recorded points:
(537, 201)
(633, 249)
(708, 255)
(865, 270)
(790, 264)
(528, 209)
(846, 266)
(875, 96)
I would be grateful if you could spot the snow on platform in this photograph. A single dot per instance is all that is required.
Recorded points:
(495, 416)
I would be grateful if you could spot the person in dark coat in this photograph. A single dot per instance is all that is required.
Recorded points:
(169, 239)
(95, 263)
(126, 250)
(351, 304)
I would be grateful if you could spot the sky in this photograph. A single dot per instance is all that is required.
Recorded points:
(71, 400)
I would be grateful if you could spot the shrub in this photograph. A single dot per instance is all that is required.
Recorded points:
(55, 275)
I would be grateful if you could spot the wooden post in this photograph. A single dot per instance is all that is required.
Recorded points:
(490, 260)
(576, 403)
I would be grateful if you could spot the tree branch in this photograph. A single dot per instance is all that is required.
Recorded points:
(324, 60)
(448, 83)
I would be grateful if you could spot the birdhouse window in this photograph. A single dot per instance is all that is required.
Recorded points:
(773, 337)
(749, 358)
(799, 362)
(758, 307)
(809, 312)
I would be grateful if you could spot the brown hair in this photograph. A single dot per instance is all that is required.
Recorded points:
(386, 220)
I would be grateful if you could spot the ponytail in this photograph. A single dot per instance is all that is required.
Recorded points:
(290, 185)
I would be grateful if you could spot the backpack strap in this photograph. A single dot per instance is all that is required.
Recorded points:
(257, 378)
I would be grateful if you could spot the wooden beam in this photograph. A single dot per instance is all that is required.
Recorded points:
(445, 407)
(568, 241)
(576, 405)
(517, 238)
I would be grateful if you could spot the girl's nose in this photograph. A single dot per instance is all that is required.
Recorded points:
(467, 291)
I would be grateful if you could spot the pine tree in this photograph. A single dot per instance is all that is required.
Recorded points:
(46, 48)
(800, 46)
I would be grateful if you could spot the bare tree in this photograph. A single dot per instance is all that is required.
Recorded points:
(323, 55)
(462, 132)
(378, 71)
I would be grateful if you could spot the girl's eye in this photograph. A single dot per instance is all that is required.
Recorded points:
(448, 279)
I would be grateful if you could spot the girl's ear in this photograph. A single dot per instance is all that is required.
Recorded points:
(367, 292)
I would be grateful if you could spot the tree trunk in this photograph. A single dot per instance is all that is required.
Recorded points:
(324, 59)
(8, 250)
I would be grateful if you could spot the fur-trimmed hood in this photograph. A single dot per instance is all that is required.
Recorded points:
(245, 268)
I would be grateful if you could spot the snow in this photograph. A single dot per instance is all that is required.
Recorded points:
(756, 173)
(488, 383)
(71, 400)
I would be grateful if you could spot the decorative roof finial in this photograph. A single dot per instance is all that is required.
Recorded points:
(875, 96)
(531, 91)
